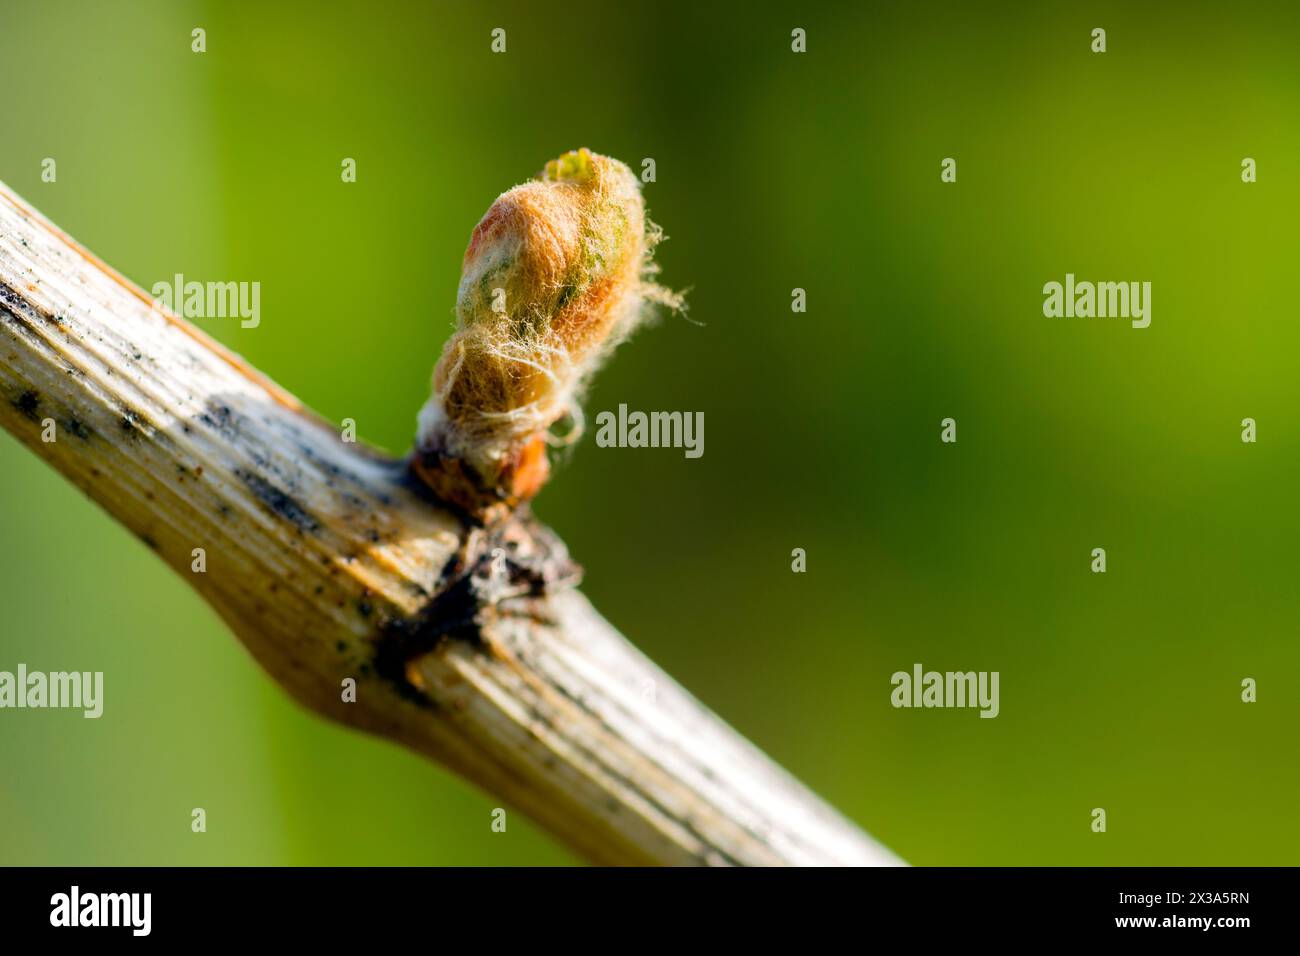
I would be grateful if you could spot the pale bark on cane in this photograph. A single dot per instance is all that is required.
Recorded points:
(328, 561)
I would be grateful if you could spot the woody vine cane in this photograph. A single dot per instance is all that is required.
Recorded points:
(425, 581)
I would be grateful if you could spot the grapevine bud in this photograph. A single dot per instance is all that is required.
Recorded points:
(556, 274)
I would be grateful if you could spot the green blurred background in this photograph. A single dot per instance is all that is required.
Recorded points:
(775, 170)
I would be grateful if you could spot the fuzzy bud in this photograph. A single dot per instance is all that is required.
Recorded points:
(556, 275)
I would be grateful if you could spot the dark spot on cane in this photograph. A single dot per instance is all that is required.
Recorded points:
(77, 429)
(279, 502)
(27, 403)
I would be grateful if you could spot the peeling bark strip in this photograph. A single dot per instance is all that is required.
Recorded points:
(469, 645)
